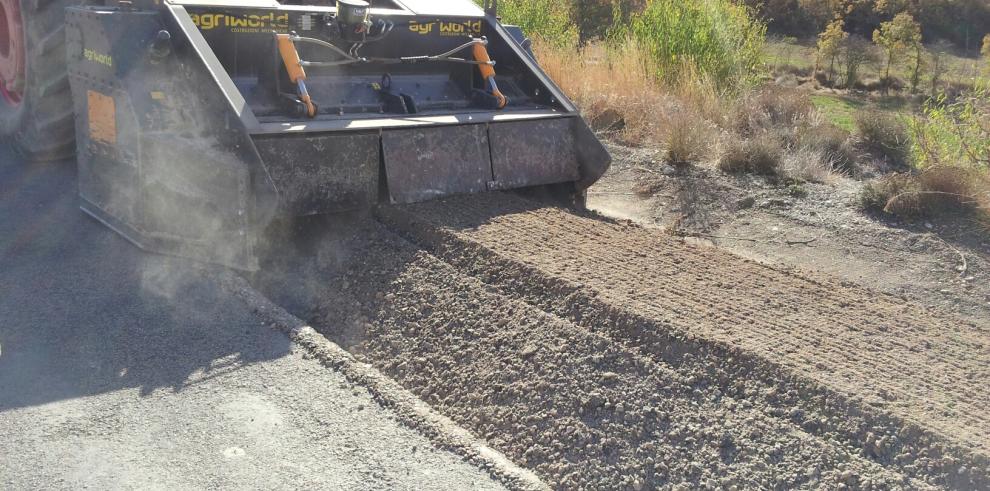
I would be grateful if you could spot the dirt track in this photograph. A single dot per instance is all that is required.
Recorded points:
(604, 355)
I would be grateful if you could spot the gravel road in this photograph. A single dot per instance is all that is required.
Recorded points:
(124, 370)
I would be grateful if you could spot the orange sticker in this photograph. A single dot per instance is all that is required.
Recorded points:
(102, 118)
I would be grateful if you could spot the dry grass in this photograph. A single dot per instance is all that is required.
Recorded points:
(688, 138)
(770, 107)
(885, 136)
(755, 128)
(617, 94)
(761, 154)
(611, 83)
(931, 192)
(833, 145)
(811, 165)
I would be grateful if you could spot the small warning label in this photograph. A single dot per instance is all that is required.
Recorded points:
(102, 118)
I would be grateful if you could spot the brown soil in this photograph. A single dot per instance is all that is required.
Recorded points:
(941, 262)
(605, 355)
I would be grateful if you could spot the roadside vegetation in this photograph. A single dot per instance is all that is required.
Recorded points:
(896, 98)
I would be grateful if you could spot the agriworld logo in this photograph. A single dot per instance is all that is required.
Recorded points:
(471, 27)
(242, 23)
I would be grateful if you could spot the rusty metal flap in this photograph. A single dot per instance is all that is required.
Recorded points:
(427, 163)
(533, 153)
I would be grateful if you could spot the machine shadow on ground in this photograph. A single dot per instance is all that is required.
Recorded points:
(86, 312)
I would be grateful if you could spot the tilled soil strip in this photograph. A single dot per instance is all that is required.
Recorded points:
(905, 387)
(581, 410)
(408, 408)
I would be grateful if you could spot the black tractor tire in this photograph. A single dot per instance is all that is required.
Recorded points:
(42, 126)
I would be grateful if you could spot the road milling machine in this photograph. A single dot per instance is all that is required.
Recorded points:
(196, 123)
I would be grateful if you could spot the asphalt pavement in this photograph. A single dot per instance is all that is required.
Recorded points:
(121, 369)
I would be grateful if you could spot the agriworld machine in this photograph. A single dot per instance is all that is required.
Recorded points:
(198, 122)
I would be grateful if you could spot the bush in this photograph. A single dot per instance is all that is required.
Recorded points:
(877, 193)
(548, 20)
(930, 192)
(794, 70)
(885, 136)
(951, 149)
(832, 143)
(809, 164)
(821, 78)
(717, 39)
(770, 106)
(758, 155)
(891, 83)
(687, 138)
(869, 85)
(954, 134)
(787, 80)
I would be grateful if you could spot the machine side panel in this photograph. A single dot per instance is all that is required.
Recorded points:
(107, 125)
(164, 158)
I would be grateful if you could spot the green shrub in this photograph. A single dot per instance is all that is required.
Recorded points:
(950, 149)
(955, 134)
(548, 20)
(716, 39)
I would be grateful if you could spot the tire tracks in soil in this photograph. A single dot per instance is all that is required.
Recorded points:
(905, 387)
(575, 406)
(603, 355)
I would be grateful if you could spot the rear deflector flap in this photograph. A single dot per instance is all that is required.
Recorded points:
(322, 173)
(426, 163)
(533, 153)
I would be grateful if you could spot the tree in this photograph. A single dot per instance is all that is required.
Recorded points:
(938, 63)
(894, 37)
(789, 43)
(856, 51)
(985, 51)
(829, 43)
(820, 12)
(919, 62)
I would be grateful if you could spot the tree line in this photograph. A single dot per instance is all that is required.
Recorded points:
(841, 54)
(963, 23)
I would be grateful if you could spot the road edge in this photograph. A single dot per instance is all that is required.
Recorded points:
(409, 409)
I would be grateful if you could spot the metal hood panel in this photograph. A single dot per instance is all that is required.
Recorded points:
(445, 8)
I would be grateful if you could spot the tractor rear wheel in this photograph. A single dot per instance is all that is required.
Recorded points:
(36, 111)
